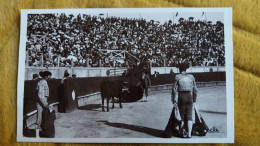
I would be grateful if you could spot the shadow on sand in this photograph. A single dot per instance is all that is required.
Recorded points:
(213, 112)
(90, 107)
(146, 130)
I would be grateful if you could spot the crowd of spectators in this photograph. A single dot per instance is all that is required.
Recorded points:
(75, 40)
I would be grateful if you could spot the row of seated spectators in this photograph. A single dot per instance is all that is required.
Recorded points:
(80, 37)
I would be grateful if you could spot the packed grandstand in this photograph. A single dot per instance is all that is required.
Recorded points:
(76, 40)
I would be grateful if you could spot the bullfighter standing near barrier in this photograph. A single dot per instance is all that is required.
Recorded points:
(145, 82)
(43, 94)
(186, 88)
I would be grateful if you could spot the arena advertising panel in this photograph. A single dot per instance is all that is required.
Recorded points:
(128, 75)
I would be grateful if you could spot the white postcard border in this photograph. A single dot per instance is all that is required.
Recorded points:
(229, 77)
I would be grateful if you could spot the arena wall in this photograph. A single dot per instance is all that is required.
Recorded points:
(58, 73)
(77, 92)
(195, 69)
(83, 86)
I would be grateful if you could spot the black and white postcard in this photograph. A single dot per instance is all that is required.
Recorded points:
(129, 75)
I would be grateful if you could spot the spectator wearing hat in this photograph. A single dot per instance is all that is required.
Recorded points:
(35, 77)
(74, 76)
(43, 94)
(66, 76)
(184, 87)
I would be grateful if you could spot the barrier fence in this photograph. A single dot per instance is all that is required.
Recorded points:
(58, 72)
(77, 92)
(66, 94)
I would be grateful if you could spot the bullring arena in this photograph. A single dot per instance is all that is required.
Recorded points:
(140, 119)
(80, 114)
(83, 50)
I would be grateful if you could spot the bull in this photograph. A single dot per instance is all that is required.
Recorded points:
(111, 89)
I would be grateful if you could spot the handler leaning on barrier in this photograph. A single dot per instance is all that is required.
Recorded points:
(43, 94)
(145, 82)
(185, 86)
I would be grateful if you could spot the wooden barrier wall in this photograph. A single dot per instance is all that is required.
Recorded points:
(67, 93)
(83, 72)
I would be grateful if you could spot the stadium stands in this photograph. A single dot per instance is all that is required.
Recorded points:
(61, 40)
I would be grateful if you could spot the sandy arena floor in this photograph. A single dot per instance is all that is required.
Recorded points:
(140, 119)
